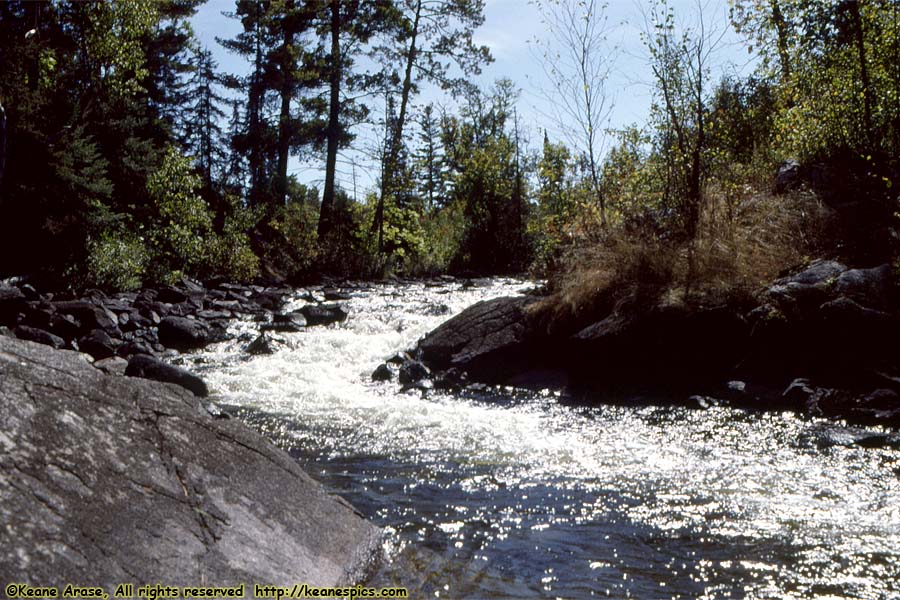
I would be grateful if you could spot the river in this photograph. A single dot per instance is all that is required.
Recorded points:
(519, 496)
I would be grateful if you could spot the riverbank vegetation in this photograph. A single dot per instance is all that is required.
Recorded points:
(128, 158)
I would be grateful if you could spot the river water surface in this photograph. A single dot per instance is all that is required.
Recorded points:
(520, 497)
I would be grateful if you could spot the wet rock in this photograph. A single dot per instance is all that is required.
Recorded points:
(214, 314)
(149, 367)
(182, 333)
(879, 406)
(33, 334)
(421, 385)
(399, 358)
(323, 314)
(332, 294)
(269, 299)
(134, 347)
(450, 379)
(829, 436)
(288, 323)
(437, 310)
(800, 393)
(167, 492)
(737, 386)
(488, 340)
(29, 292)
(413, 371)
(98, 344)
(263, 344)
(384, 372)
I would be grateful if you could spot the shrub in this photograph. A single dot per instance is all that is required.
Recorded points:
(735, 254)
(182, 226)
(116, 261)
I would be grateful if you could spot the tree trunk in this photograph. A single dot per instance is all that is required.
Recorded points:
(284, 117)
(254, 103)
(334, 126)
(396, 136)
(859, 38)
(781, 31)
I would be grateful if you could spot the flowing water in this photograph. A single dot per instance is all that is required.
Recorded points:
(518, 496)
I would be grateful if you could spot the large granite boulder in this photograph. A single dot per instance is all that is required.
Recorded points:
(489, 340)
(107, 479)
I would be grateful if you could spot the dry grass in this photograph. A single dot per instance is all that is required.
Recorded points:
(740, 247)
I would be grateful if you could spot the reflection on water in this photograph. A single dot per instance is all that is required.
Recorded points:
(527, 498)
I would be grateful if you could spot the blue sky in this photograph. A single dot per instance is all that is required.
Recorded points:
(510, 28)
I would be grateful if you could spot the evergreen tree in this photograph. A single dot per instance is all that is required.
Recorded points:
(429, 36)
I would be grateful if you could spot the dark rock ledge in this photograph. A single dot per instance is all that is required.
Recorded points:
(821, 340)
(107, 479)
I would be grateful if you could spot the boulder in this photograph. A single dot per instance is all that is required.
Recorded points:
(489, 340)
(33, 334)
(292, 322)
(816, 273)
(150, 367)
(413, 371)
(134, 347)
(263, 344)
(89, 316)
(108, 479)
(98, 344)
(182, 333)
(323, 314)
(65, 326)
(384, 372)
(12, 302)
(868, 287)
(171, 295)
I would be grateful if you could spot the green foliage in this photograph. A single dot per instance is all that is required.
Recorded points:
(181, 236)
(182, 222)
(294, 249)
(443, 233)
(117, 261)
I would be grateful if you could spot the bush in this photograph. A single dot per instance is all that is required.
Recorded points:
(182, 226)
(117, 261)
(443, 232)
(735, 254)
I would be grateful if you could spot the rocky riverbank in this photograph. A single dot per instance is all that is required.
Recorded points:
(820, 340)
(108, 479)
(134, 333)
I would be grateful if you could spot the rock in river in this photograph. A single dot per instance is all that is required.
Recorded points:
(107, 479)
(150, 367)
(489, 340)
